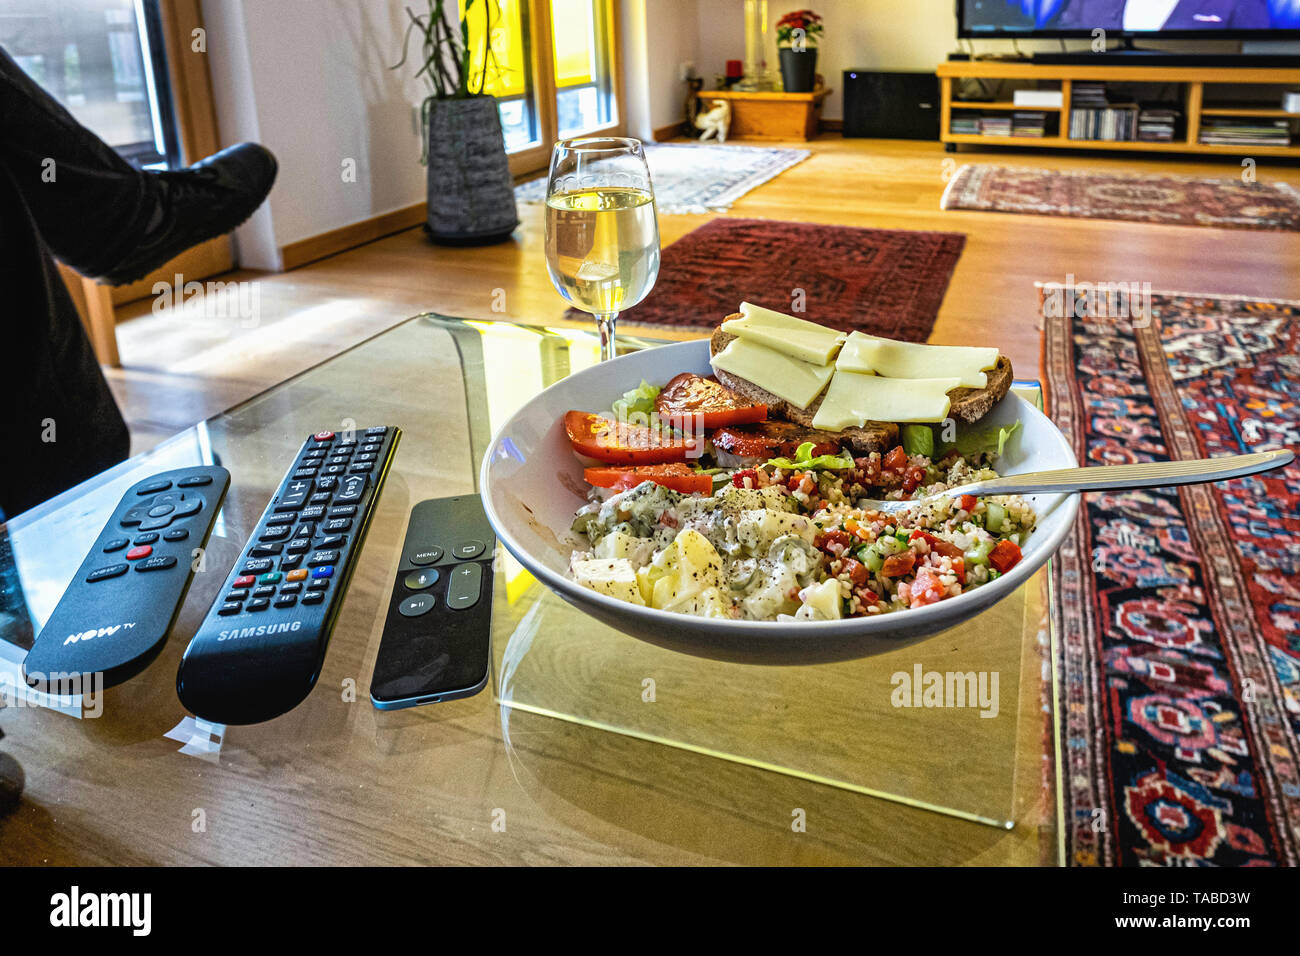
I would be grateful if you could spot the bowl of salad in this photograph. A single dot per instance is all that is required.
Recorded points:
(671, 511)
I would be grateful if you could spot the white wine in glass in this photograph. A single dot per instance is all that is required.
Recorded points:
(602, 236)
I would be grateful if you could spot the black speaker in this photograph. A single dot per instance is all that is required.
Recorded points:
(891, 105)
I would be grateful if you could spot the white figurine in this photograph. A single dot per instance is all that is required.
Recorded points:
(715, 122)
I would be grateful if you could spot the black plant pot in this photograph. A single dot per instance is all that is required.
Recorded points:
(471, 191)
(799, 70)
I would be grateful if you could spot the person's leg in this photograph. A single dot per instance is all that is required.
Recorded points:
(83, 196)
(97, 212)
(59, 423)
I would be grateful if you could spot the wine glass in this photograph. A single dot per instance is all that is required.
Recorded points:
(602, 235)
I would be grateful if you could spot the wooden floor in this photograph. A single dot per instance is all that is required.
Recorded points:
(179, 368)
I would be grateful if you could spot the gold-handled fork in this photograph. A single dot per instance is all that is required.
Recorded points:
(1155, 474)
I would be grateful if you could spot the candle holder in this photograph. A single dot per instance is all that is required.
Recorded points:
(758, 72)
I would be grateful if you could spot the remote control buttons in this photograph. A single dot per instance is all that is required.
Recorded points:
(419, 580)
(230, 607)
(153, 487)
(176, 534)
(465, 550)
(243, 581)
(416, 605)
(159, 562)
(115, 544)
(323, 436)
(427, 556)
(322, 558)
(159, 511)
(351, 489)
(103, 574)
(149, 537)
(143, 551)
(270, 577)
(464, 587)
(325, 572)
(194, 481)
(257, 566)
(298, 575)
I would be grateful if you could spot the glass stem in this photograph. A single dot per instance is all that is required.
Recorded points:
(606, 322)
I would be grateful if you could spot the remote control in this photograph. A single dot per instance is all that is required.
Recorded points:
(438, 635)
(258, 652)
(114, 617)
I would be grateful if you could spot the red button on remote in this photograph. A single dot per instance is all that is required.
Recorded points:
(141, 552)
(244, 581)
(323, 436)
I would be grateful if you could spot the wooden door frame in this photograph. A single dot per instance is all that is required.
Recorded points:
(542, 57)
(190, 86)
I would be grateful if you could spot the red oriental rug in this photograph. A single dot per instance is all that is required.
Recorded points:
(1170, 200)
(887, 282)
(1178, 610)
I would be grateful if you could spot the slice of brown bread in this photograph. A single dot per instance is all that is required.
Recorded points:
(968, 404)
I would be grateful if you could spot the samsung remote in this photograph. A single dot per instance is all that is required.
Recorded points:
(114, 617)
(437, 641)
(258, 652)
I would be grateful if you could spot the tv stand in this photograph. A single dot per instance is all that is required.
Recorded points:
(1189, 80)
(1130, 55)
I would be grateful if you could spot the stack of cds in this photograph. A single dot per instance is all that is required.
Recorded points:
(1157, 124)
(1029, 124)
(1241, 131)
(965, 123)
(995, 126)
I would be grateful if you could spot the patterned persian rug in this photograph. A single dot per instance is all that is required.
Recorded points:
(1169, 200)
(888, 282)
(698, 178)
(1178, 610)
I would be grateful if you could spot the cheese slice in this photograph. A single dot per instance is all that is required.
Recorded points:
(817, 348)
(854, 399)
(866, 353)
(799, 383)
(798, 338)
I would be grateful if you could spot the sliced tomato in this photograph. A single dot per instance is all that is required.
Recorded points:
(678, 476)
(690, 395)
(622, 443)
(896, 460)
(773, 439)
(1005, 556)
(967, 502)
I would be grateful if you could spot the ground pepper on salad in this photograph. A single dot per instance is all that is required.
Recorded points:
(786, 538)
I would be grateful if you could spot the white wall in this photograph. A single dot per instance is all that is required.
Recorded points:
(673, 34)
(310, 80)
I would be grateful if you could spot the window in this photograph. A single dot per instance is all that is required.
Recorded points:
(564, 47)
(583, 46)
(104, 61)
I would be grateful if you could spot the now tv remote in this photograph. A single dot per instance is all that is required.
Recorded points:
(114, 617)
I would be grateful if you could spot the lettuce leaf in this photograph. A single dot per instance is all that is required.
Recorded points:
(639, 401)
(803, 461)
(991, 439)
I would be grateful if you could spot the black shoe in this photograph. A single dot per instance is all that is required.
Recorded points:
(199, 203)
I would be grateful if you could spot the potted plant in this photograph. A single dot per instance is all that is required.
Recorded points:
(796, 36)
(471, 194)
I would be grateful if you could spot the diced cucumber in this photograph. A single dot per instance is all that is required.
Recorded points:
(979, 554)
(994, 515)
(871, 557)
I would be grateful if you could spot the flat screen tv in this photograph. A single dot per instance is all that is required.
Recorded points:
(1218, 19)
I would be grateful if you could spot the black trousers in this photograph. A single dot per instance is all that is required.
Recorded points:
(63, 193)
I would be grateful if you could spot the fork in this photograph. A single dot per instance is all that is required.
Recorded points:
(1155, 474)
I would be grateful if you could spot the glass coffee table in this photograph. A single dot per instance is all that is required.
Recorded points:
(590, 747)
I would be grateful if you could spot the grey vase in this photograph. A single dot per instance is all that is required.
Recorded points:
(471, 190)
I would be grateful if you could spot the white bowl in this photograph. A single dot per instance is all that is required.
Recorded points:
(532, 484)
